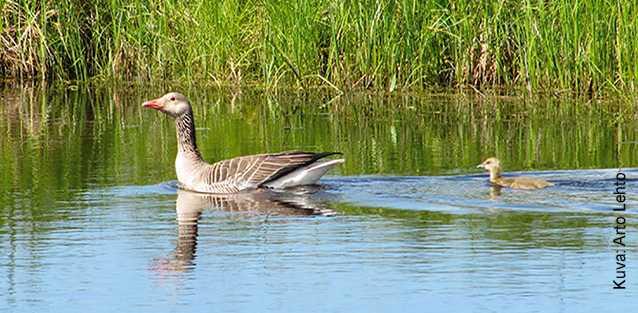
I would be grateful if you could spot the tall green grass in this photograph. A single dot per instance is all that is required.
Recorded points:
(586, 46)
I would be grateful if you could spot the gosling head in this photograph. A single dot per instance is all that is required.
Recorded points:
(174, 104)
(491, 164)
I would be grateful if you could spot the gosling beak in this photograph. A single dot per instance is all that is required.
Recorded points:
(153, 104)
(480, 166)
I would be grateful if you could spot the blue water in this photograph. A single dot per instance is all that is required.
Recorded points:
(356, 244)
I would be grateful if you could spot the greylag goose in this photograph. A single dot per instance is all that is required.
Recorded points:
(276, 170)
(493, 165)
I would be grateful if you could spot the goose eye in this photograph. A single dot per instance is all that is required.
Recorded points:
(172, 98)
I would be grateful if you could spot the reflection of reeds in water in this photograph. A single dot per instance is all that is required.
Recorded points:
(503, 229)
(189, 207)
(66, 141)
(95, 134)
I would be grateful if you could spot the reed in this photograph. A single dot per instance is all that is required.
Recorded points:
(585, 46)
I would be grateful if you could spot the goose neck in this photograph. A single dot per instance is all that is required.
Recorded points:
(186, 139)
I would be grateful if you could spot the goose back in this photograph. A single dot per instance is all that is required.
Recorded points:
(248, 172)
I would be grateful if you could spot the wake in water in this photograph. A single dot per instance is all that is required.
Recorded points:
(574, 191)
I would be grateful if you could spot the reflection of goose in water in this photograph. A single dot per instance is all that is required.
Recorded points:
(495, 191)
(189, 207)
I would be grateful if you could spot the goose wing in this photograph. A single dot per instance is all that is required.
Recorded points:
(252, 171)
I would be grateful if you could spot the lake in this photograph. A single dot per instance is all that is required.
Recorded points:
(91, 218)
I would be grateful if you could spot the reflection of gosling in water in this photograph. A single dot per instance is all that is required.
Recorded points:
(493, 165)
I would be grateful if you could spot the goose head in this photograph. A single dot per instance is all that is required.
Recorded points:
(174, 104)
(491, 164)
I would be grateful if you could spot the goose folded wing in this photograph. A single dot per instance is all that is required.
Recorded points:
(255, 170)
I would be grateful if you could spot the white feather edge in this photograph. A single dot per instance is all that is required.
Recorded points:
(307, 175)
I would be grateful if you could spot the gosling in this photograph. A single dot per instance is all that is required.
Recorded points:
(493, 165)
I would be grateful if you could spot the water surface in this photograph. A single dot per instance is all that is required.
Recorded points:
(90, 216)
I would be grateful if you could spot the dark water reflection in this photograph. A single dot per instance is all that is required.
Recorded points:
(90, 218)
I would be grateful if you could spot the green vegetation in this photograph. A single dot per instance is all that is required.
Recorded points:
(586, 46)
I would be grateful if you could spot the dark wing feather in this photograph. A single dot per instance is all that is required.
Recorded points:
(255, 170)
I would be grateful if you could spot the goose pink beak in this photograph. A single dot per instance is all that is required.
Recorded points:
(153, 104)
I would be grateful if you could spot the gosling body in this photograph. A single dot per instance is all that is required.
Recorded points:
(493, 166)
